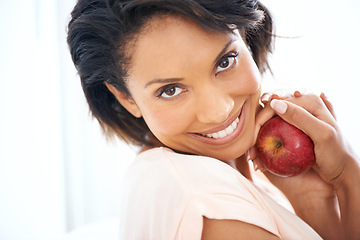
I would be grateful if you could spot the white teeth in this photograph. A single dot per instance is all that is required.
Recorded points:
(229, 129)
(233, 125)
(215, 135)
(224, 133)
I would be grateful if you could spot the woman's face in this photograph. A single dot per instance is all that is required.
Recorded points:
(197, 90)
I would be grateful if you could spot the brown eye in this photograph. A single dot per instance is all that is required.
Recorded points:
(224, 63)
(170, 91)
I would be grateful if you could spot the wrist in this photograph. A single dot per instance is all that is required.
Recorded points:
(348, 192)
(348, 178)
(322, 214)
(312, 204)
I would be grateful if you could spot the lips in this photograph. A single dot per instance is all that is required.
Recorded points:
(224, 133)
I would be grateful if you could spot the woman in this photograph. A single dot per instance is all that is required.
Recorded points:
(181, 79)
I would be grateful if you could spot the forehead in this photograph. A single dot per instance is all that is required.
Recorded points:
(174, 43)
(173, 23)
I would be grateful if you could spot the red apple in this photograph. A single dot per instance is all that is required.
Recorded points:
(283, 149)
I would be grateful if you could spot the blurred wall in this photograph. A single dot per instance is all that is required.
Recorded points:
(57, 172)
(318, 51)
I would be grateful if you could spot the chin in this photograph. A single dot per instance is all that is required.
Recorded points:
(238, 148)
(228, 153)
(231, 154)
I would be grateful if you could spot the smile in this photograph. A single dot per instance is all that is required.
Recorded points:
(224, 133)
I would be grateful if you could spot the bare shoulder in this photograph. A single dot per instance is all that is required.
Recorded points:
(214, 229)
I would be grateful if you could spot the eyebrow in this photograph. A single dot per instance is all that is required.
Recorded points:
(162, 81)
(224, 49)
(173, 80)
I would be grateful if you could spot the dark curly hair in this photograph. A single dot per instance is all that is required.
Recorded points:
(100, 31)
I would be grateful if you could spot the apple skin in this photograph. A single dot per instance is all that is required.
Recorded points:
(283, 149)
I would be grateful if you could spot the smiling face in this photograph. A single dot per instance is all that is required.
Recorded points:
(197, 90)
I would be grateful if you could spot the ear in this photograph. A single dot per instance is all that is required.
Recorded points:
(127, 102)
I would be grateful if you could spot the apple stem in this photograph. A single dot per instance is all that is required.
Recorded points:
(278, 146)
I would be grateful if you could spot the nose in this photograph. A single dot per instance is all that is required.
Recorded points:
(214, 107)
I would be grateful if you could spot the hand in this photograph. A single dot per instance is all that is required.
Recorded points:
(336, 170)
(306, 185)
(315, 116)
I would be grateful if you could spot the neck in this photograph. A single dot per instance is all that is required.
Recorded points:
(241, 164)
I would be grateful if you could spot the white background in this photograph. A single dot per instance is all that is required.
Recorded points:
(58, 173)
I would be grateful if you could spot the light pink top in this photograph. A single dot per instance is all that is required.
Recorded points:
(166, 195)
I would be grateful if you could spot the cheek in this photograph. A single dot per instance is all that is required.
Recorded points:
(252, 84)
(166, 122)
(247, 83)
(248, 76)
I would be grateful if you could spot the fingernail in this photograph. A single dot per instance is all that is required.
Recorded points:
(256, 167)
(297, 94)
(278, 106)
(265, 97)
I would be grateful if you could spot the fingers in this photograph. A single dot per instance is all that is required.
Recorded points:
(252, 155)
(312, 114)
(267, 97)
(328, 104)
(263, 116)
(300, 117)
(320, 107)
(267, 112)
(297, 94)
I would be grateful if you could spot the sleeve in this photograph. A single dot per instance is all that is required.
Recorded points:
(223, 206)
